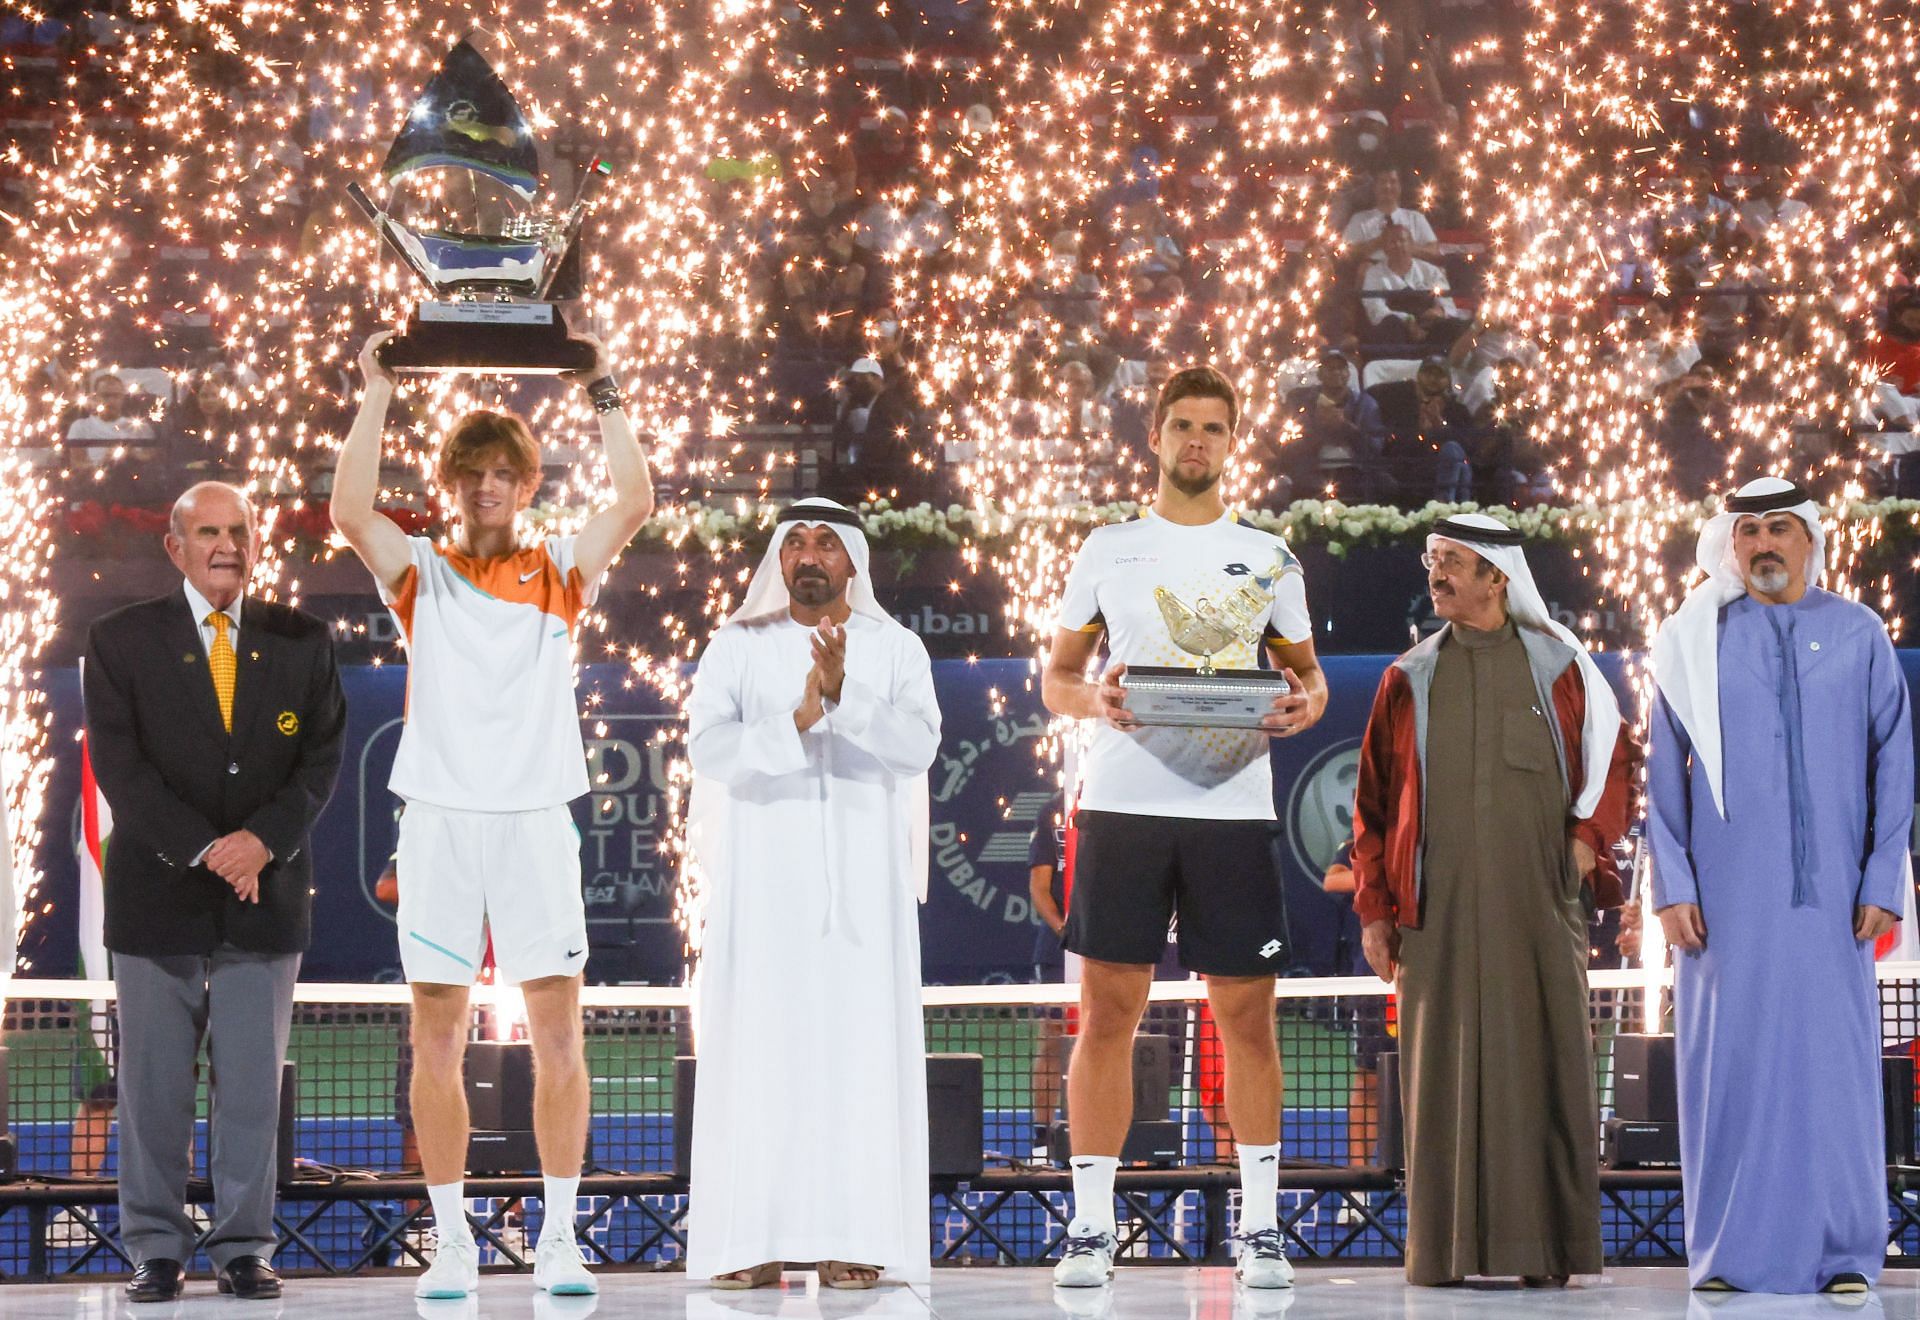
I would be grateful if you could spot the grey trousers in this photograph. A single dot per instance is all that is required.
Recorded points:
(241, 1004)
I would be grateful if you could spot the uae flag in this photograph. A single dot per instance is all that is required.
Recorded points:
(96, 824)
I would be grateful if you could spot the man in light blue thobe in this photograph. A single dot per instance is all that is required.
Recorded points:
(1780, 789)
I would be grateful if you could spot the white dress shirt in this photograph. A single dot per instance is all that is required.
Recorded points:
(202, 607)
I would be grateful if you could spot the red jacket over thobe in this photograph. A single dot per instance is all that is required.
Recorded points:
(1389, 808)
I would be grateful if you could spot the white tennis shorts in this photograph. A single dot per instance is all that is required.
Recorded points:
(462, 873)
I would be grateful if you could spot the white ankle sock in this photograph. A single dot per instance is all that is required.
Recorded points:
(1259, 1187)
(558, 1205)
(450, 1212)
(1093, 1191)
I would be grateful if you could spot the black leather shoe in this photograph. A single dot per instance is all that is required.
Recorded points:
(249, 1277)
(157, 1281)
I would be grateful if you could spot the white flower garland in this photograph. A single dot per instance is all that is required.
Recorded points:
(1331, 523)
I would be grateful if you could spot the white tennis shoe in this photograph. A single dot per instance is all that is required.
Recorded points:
(1086, 1259)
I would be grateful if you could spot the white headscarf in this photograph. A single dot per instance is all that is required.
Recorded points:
(767, 594)
(768, 598)
(1686, 650)
(1600, 729)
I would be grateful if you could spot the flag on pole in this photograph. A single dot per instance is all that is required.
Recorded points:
(96, 825)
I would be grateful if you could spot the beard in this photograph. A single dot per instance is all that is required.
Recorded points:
(1189, 486)
(812, 589)
(1769, 577)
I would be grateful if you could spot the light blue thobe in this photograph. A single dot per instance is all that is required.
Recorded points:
(1778, 1020)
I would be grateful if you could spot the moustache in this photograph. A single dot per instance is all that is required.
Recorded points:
(1768, 557)
(808, 575)
(1439, 589)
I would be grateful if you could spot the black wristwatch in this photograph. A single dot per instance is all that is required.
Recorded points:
(605, 395)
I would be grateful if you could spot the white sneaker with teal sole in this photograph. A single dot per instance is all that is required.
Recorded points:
(455, 1271)
(559, 1269)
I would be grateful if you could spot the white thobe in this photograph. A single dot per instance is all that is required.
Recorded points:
(810, 1108)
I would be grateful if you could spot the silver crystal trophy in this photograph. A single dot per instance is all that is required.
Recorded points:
(462, 212)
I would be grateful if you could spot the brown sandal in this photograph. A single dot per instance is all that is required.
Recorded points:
(846, 1276)
(760, 1276)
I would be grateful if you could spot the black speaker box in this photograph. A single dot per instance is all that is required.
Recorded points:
(683, 1070)
(1154, 1141)
(1389, 1142)
(1152, 1073)
(1896, 1095)
(491, 1153)
(1629, 1143)
(289, 1093)
(956, 1094)
(499, 1077)
(1644, 1085)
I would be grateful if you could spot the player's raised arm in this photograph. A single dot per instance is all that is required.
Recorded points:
(379, 542)
(607, 532)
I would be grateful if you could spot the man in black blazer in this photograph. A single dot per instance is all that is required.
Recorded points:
(214, 722)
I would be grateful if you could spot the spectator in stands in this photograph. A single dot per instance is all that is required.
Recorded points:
(116, 416)
(200, 421)
(1726, 311)
(1365, 236)
(1131, 397)
(1047, 892)
(849, 276)
(800, 286)
(1488, 341)
(1659, 355)
(1897, 351)
(1073, 292)
(1341, 435)
(1088, 420)
(1149, 255)
(887, 343)
(1365, 1017)
(885, 148)
(1405, 298)
(1507, 467)
(824, 209)
(928, 230)
(872, 441)
(1693, 430)
(1771, 203)
(1699, 222)
(1427, 433)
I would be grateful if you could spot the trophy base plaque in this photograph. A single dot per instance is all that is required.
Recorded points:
(511, 338)
(1189, 699)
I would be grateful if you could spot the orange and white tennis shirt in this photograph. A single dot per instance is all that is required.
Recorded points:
(491, 721)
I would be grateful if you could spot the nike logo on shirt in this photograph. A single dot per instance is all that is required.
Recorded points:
(530, 576)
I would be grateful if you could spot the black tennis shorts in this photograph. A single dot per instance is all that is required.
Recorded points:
(1132, 875)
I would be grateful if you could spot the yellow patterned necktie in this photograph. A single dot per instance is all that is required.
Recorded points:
(220, 659)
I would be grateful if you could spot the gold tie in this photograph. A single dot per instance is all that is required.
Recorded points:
(221, 661)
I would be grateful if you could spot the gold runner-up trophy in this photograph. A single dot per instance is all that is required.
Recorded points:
(1206, 697)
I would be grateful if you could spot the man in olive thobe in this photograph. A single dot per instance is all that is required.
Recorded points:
(1493, 783)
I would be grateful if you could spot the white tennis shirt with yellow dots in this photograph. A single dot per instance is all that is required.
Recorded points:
(1209, 774)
